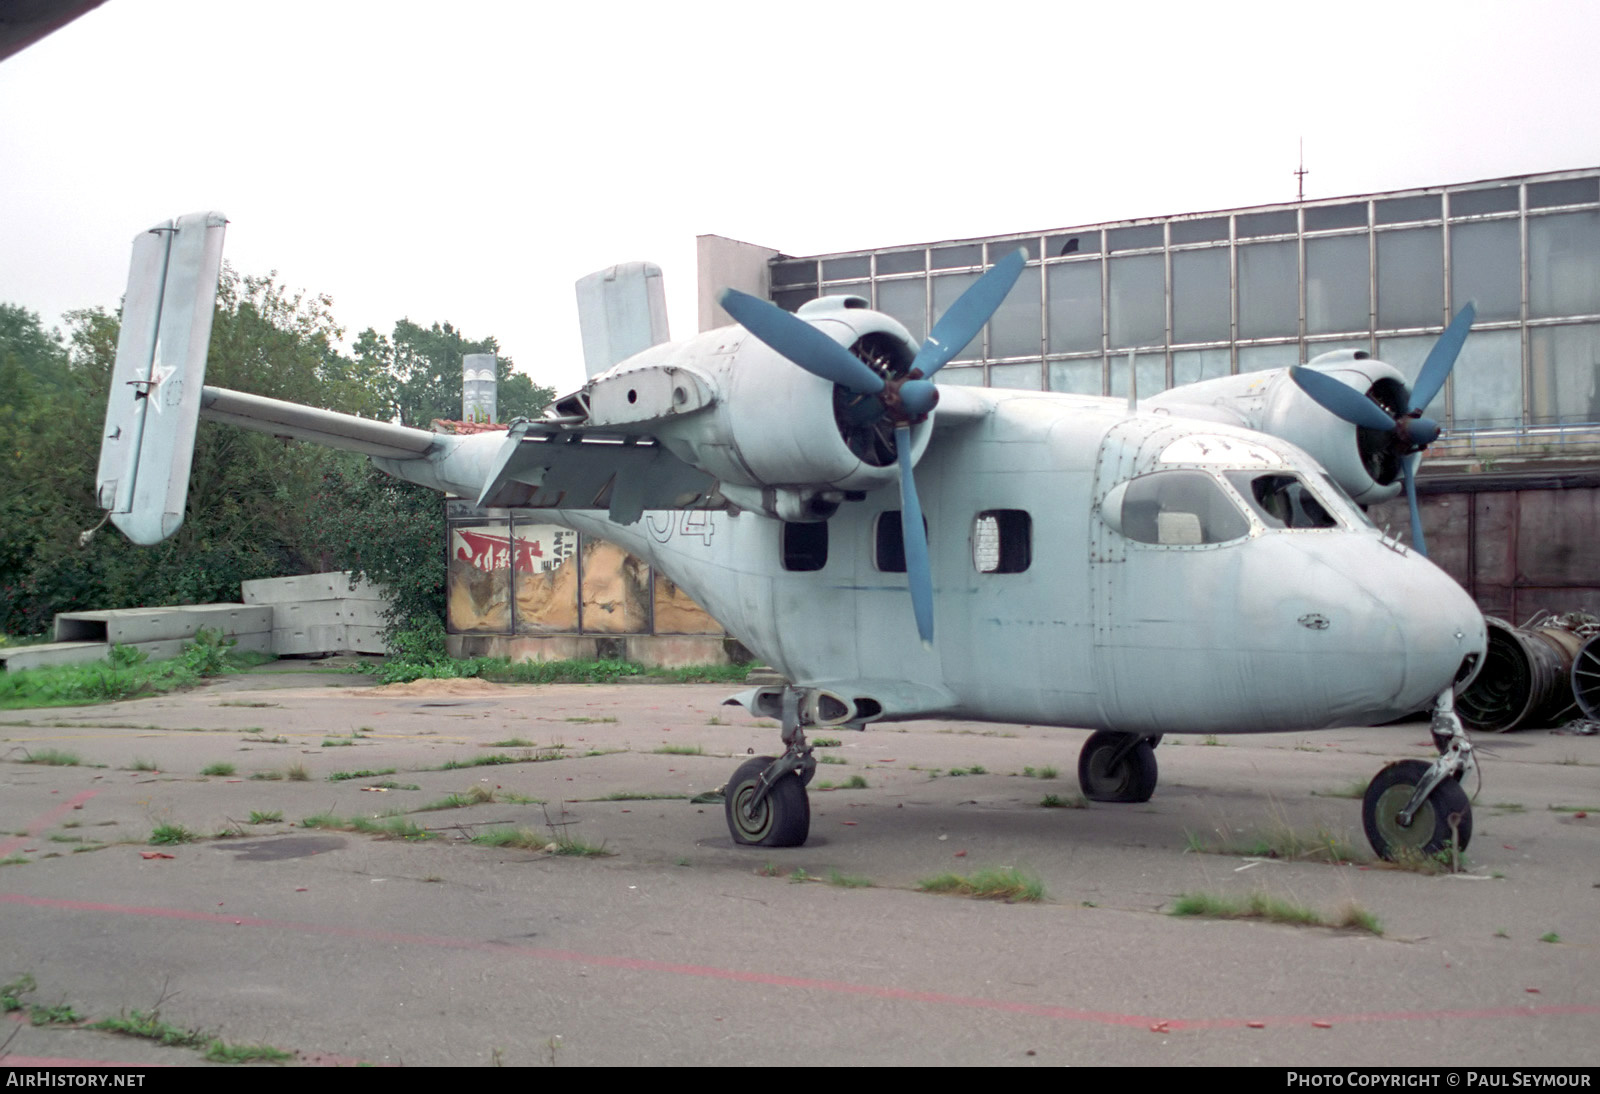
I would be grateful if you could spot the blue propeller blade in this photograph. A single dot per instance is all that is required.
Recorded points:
(1341, 400)
(966, 317)
(1442, 358)
(1408, 471)
(915, 537)
(800, 342)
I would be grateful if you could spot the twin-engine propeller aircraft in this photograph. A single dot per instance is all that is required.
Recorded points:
(1198, 562)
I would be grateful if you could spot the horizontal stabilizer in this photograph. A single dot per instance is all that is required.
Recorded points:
(308, 423)
(154, 403)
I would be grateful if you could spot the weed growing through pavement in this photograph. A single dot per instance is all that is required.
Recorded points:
(1005, 883)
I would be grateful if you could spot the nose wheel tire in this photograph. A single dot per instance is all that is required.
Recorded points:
(1104, 776)
(781, 819)
(1430, 830)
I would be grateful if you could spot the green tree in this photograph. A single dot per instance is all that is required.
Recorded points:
(424, 369)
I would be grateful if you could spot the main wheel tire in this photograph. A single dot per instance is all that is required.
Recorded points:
(1429, 833)
(783, 819)
(1133, 779)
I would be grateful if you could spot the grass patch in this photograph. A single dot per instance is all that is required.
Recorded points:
(679, 750)
(221, 769)
(1040, 772)
(246, 703)
(1550, 937)
(1353, 790)
(826, 742)
(126, 674)
(975, 769)
(390, 784)
(11, 994)
(495, 759)
(170, 834)
(1574, 808)
(1057, 801)
(396, 670)
(258, 817)
(337, 742)
(477, 795)
(826, 759)
(1259, 905)
(1282, 842)
(854, 782)
(849, 881)
(510, 742)
(220, 1052)
(266, 776)
(150, 1027)
(61, 1014)
(51, 757)
(640, 796)
(383, 828)
(529, 840)
(1006, 883)
(297, 773)
(344, 776)
(139, 764)
(591, 721)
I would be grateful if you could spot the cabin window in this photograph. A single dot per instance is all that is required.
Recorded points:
(805, 546)
(1282, 501)
(889, 545)
(1002, 541)
(1176, 509)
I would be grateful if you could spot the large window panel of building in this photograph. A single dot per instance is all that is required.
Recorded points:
(1411, 278)
(1074, 307)
(1024, 377)
(1202, 297)
(1256, 358)
(1138, 301)
(959, 377)
(1487, 381)
(1564, 265)
(1338, 284)
(1151, 369)
(1407, 353)
(906, 301)
(947, 289)
(1017, 328)
(1486, 267)
(1563, 364)
(1269, 290)
(1190, 366)
(1081, 377)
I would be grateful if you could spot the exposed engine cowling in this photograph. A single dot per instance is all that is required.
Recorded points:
(786, 441)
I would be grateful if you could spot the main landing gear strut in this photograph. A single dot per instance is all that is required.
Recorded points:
(765, 801)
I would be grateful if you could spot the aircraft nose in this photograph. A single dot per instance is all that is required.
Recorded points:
(1442, 633)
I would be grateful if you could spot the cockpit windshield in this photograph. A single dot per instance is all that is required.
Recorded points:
(1282, 500)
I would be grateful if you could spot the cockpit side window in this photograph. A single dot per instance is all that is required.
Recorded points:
(1282, 500)
(1179, 509)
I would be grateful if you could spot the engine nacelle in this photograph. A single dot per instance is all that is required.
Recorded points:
(779, 438)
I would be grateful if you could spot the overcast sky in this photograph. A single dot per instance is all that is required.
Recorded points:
(468, 162)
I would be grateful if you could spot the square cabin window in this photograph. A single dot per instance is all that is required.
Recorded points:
(888, 542)
(1002, 541)
(805, 546)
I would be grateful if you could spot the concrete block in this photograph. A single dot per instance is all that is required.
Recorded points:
(17, 658)
(133, 626)
(328, 586)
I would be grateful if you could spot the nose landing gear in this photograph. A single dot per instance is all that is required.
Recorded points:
(1414, 809)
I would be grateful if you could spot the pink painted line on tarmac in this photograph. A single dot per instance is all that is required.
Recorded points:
(877, 991)
(67, 1061)
(45, 820)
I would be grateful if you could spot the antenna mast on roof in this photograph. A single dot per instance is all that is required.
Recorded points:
(1300, 172)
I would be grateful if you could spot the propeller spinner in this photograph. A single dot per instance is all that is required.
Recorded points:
(900, 400)
(1411, 431)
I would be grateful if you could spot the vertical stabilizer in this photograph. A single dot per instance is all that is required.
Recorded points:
(621, 311)
(154, 403)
